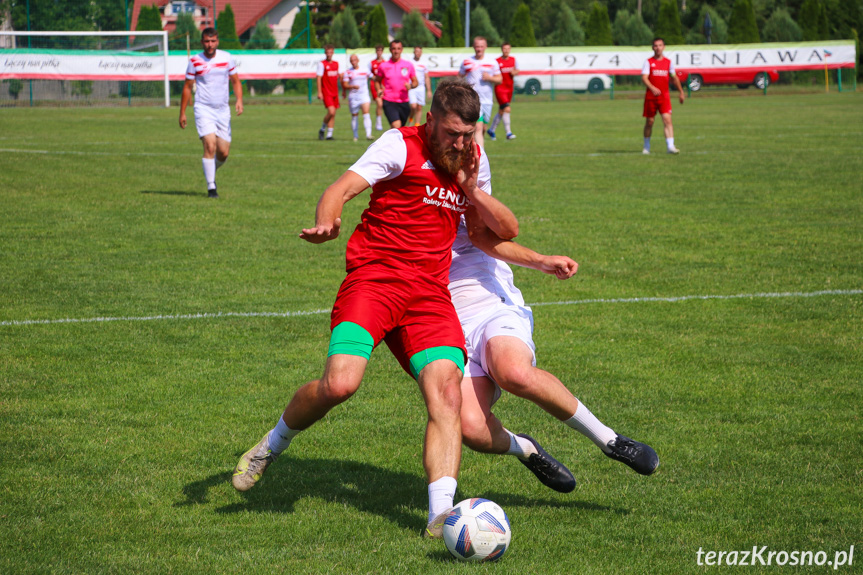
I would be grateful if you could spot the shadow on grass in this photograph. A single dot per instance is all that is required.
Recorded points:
(174, 193)
(393, 495)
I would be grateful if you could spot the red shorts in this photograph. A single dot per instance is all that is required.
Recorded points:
(331, 101)
(374, 90)
(411, 311)
(652, 104)
(504, 97)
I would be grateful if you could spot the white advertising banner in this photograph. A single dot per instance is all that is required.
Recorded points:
(90, 65)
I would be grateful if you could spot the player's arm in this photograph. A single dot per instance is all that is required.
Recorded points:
(645, 78)
(678, 85)
(328, 216)
(414, 82)
(562, 267)
(494, 79)
(488, 208)
(238, 92)
(184, 101)
(320, 89)
(428, 85)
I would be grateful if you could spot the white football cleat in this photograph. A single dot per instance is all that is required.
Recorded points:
(673, 151)
(645, 151)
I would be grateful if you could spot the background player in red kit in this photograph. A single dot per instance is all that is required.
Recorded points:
(423, 179)
(329, 82)
(377, 95)
(655, 74)
(503, 92)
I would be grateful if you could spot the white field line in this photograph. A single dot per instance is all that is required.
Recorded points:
(323, 311)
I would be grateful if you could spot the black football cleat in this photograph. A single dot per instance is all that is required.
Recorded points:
(639, 456)
(551, 472)
(321, 134)
(212, 193)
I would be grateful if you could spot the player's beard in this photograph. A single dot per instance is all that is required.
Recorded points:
(450, 160)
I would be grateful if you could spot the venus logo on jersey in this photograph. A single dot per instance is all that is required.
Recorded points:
(442, 197)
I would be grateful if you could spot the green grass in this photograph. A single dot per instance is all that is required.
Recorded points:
(118, 437)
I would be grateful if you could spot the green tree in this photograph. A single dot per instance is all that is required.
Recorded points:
(719, 34)
(377, 29)
(781, 27)
(344, 32)
(569, 33)
(668, 25)
(630, 30)
(452, 33)
(847, 19)
(742, 28)
(810, 13)
(262, 37)
(148, 20)
(598, 30)
(522, 35)
(501, 13)
(300, 36)
(414, 31)
(480, 25)
(823, 24)
(185, 25)
(226, 27)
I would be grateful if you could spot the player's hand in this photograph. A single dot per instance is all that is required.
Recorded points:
(183, 120)
(320, 96)
(239, 107)
(680, 95)
(467, 176)
(561, 267)
(655, 91)
(321, 233)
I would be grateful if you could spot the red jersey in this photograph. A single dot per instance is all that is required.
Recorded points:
(507, 65)
(329, 74)
(412, 218)
(658, 72)
(373, 67)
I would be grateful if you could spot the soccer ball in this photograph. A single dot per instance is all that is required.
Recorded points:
(477, 530)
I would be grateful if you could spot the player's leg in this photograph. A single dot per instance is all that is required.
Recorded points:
(330, 120)
(510, 362)
(367, 119)
(355, 125)
(208, 162)
(507, 122)
(379, 110)
(391, 111)
(648, 132)
(497, 119)
(669, 131)
(350, 348)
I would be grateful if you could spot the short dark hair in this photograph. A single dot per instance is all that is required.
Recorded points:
(456, 96)
(379, 46)
(329, 47)
(210, 31)
(506, 44)
(657, 39)
(396, 42)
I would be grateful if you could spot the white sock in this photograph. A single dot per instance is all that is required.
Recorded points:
(209, 172)
(495, 122)
(329, 132)
(441, 493)
(519, 446)
(281, 436)
(669, 142)
(367, 124)
(220, 163)
(506, 124)
(588, 425)
(647, 144)
(354, 125)
(379, 124)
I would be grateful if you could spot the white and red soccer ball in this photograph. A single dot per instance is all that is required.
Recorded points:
(477, 530)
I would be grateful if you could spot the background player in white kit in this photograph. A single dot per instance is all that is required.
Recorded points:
(498, 331)
(482, 73)
(356, 82)
(417, 96)
(211, 70)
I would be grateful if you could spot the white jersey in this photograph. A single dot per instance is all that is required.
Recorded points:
(360, 78)
(473, 69)
(211, 77)
(477, 280)
(421, 70)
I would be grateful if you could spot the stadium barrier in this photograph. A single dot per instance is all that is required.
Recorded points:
(556, 64)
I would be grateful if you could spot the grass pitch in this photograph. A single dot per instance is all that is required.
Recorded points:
(120, 429)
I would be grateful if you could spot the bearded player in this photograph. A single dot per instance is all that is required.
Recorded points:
(655, 74)
(423, 179)
(212, 70)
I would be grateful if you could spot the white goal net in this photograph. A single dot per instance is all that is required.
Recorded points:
(84, 69)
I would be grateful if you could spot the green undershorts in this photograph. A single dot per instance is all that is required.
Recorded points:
(351, 339)
(426, 356)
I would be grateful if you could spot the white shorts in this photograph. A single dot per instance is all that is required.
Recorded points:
(502, 319)
(213, 121)
(417, 95)
(356, 105)
(485, 112)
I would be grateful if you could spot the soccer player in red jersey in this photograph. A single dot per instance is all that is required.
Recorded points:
(329, 82)
(377, 95)
(503, 92)
(656, 74)
(423, 179)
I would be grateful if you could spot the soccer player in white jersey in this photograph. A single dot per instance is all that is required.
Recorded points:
(482, 73)
(501, 355)
(356, 81)
(417, 96)
(212, 69)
